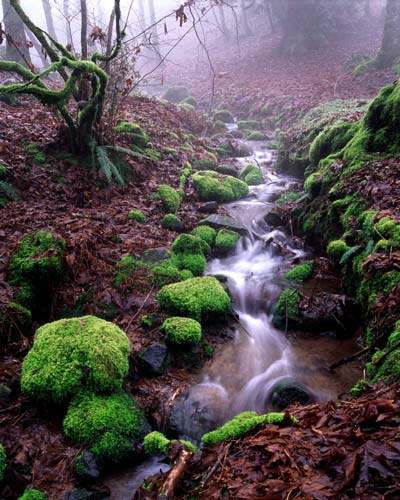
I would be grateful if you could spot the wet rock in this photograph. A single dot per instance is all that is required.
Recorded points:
(236, 148)
(273, 219)
(286, 392)
(209, 207)
(274, 247)
(5, 394)
(154, 255)
(223, 222)
(186, 358)
(86, 467)
(228, 170)
(153, 359)
(88, 494)
(173, 224)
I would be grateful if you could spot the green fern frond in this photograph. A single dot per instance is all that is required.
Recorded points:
(107, 166)
(7, 190)
(125, 151)
(350, 252)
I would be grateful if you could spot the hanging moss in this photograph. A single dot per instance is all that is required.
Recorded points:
(169, 197)
(111, 426)
(71, 354)
(182, 331)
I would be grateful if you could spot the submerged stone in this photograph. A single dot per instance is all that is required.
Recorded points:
(286, 392)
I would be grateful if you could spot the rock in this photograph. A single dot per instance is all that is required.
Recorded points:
(273, 219)
(154, 255)
(288, 391)
(223, 222)
(87, 494)
(153, 359)
(209, 207)
(86, 466)
(173, 224)
(5, 394)
(228, 170)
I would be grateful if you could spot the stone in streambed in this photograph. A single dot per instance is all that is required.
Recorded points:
(209, 207)
(286, 392)
(153, 359)
(273, 219)
(223, 222)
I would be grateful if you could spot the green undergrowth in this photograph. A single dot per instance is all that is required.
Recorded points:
(32, 494)
(242, 423)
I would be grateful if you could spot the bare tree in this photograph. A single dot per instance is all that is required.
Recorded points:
(390, 48)
(49, 18)
(17, 48)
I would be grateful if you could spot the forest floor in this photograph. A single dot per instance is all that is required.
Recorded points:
(92, 217)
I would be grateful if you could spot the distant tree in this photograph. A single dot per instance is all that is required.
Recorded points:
(49, 18)
(17, 48)
(390, 48)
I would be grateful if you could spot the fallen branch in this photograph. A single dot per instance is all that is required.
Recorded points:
(356, 355)
(175, 474)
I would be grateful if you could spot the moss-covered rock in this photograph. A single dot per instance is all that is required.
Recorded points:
(136, 133)
(209, 162)
(168, 272)
(71, 354)
(251, 175)
(37, 267)
(212, 186)
(205, 233)
(202, 299)
(248, 125)
(186, 106)
(111, 426)
(172, 222)
(3, 462)
(301, 272)
(385, 364)
(32, 494)
(169, 197)
(372, 286)
(224, 116)
(137, 215)
(226, 241)
(192, 101)
(336, 249)
(242, 423)
(256, 136)
(188, 254)
(182, 331)
(187, 243)
(176, 94)
(287, 309)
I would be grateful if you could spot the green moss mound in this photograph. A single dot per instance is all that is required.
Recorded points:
(137, 215)
(211, 185)
(224, 116)
(385, 364)
(242, 423)
(202, 299)
(176, 94)
(137, 135)
(169, 197)
(251, 175)
(111, 426)
(188, 254)
(187, 243)
(256, 136)
(192, 101)
(182, 331)
(226, 241)
(37, 267)
(205, 233)
(287, 308)
(31, 494)
(301, 272)
(126, 266)
(172, 222)
(336, 249)
(156, 443)
(168, 272)
(3, 462)
(71, 354)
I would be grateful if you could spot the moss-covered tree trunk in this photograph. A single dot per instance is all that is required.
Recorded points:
(390, 49)
(16, 47)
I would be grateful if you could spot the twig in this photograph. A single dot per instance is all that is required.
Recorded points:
(140, 308)
(175, 474)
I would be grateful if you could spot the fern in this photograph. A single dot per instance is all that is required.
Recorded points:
(369, 247)
(350, 252)
(7, 190)
(116, 169)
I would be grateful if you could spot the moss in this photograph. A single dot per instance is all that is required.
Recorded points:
(126, 267)
(3, 462)
(172, 222)
(301, 272)
(152, 154)
(353, 212)
(205, 233)
(15, 320)
(110, 426)
(168, 272)
(186, 106)
(182, 331)
(248, 125)
(208, 163)
(313, 183)
(137, 215)
(155, 443)
(176, 94)
(3, 171)
(192, 101)
(71, 354)
(193, 262)
(379, 283)
(222, 188)
(336, 249)
(359, 388)
(388, 369)
(251, 175)
(31, 494)
(33, 150)
(187, 147)
(288, 197)
(187, 243)
(37, 267)
(287, 308)
(170, 151)
(202, 299)
(242, 423)
(226, 241)
(389, 229)
(256, 136)
(224, 116)
(169, 197)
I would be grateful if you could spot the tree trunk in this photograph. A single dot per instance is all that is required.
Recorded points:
(247, 29)
(16, 41)
(390, 49)
(67, 22)
(84, 30)
(107, 65)
(155, 41)
(49, 19)
(142, 15)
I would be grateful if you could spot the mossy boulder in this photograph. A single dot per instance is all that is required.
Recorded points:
(202, 299)
(168, 272)
(256, 136)
(287, 309)
(37, 267)
(188, 253)
(111, 426)
(301, 272)
(137, 135)
(71, 354)
(224, 116)
(186, 106)
(32, 494)
(173, 223)
(137, 215)
(251, 175)
(242, 423)
(209, 162)
(169, 197)
(15, 323)
(226, 241)
(3, 462)
(176, 94)
(212, 186)
(248, 125)
(336, 249)
(192, 101)
(205, 233)
(385, 363)
(182, 331)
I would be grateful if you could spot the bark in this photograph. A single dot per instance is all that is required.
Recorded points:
(390, 49)
(67, 22)
(84, 30)
(16, 39)
(49, 18)
(175, 474)
(109, 40)
(155, 41)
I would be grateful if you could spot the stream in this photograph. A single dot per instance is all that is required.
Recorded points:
(243, 373)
